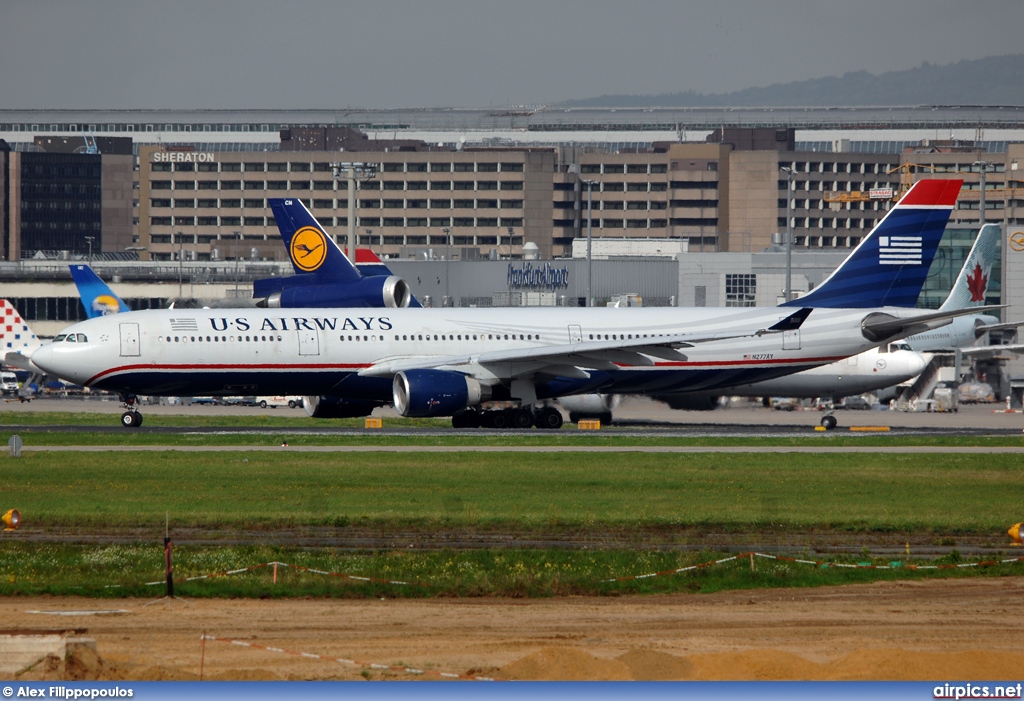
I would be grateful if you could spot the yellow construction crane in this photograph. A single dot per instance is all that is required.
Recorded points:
(881, 193)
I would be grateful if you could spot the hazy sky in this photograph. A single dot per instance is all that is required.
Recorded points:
(470, 53)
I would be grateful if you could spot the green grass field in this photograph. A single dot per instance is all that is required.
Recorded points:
(943, 493)
(645, 499)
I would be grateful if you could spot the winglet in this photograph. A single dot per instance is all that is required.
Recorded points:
(889, 267)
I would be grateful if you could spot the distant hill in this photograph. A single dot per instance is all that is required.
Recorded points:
(997, 80)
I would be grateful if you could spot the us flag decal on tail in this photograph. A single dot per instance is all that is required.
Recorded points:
(899, 250)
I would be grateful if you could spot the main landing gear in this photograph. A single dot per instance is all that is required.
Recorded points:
(132, 418)
(518, 417)
(828, 419)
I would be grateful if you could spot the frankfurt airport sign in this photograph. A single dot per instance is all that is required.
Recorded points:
(546, 277)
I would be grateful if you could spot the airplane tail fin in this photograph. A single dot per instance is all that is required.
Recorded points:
(15, 335)
(889, 267)
(972, 283)
(310, 248)
(97, 297)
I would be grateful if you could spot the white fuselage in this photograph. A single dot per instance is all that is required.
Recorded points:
(323, 351)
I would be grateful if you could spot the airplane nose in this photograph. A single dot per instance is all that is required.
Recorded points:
(43, 359)
(916, 362)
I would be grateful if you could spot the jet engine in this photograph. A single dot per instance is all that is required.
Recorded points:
(337, 408)
(422, 393)
(375, 291)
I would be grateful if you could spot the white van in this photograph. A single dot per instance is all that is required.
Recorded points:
(273, 402)
(8, 382)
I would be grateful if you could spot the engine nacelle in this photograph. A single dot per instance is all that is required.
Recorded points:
(337, 408)
(375, 292)
(422, 393)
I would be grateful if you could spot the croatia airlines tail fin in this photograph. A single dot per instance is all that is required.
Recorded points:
(17, 342)
(324, 276)
(889, 267)
(97, 297)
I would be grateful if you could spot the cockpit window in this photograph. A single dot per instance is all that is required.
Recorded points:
(82, 338)
(60, 338)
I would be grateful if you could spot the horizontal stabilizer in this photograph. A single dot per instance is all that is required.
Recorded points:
(880, 326)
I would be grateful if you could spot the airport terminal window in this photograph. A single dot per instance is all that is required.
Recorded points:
(740, 290)
(253, 167)
(463, 185)
(159, 203)
(441, 185)
(254, 203)
(463, 167)
(277, 184)
(184, 167)
(160, 185)
(394, 185)
(233, 204)
(277, 167)
(440, 167)
(511, 167)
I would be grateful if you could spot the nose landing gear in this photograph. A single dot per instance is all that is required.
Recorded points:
(132, 418)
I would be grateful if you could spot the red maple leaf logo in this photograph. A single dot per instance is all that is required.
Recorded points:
(976, 283)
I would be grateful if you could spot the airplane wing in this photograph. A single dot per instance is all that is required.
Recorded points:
(981, 352)
(880, 326)
(573, 359)
(1000, 327)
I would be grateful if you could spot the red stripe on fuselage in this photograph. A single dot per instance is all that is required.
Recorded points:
(228, 367)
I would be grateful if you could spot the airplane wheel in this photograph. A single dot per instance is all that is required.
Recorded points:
(829, 422)
(522, 418)
(131, 419)
(499, 419)
(549, 418)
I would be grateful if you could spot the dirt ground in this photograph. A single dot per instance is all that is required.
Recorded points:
(964, 629)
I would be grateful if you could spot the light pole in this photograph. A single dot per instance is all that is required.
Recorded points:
(447, 257)
(89, 240)
(590, 261)
(181, 262)
(981, 206)
(789, 231)
(238, 237)
(353, 172)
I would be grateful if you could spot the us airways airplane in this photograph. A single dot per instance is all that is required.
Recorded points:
(446, 362)
(891, 363)
(324, 277)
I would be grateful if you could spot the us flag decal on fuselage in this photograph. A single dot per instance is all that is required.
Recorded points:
(899, 250)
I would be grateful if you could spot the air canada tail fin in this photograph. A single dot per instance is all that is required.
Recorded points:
(97, 297)
(972, 283)
(310, 248)
(889, 267)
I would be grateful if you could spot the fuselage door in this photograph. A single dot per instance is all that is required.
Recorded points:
(791, 340)
(309, 342)
(575, 333)
(129, 339)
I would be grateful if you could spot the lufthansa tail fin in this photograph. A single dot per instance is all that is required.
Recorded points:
(889, 267)
(310, 248)
(97, 297)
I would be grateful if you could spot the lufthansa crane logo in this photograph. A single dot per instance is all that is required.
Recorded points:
(1017, 241)
(308, 249)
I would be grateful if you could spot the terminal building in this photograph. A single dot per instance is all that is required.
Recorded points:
(467, 204)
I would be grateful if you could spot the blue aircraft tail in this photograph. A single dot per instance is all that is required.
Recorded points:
(97, 298)
(310, 248)
(889, 267)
